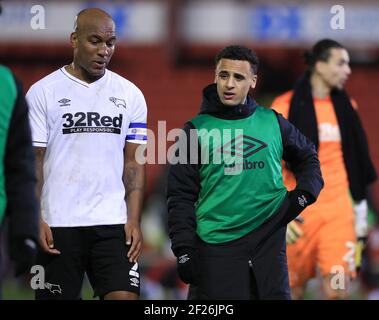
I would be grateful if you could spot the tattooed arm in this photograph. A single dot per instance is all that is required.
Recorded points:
(134, 182)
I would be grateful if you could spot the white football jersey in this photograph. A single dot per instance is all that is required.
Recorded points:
(84, 128)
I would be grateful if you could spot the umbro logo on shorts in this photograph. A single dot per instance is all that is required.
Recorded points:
(64, 102)
(134, 281)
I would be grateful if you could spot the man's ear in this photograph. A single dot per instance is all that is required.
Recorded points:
(254, 81)
(74, 40)
(320, 67)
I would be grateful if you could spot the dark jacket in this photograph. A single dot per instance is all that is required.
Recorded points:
(19, 167)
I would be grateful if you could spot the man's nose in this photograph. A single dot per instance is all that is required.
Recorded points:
(348, 70)
(103, 50)
(230, 82)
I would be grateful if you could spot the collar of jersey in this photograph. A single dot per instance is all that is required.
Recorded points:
(86, 84)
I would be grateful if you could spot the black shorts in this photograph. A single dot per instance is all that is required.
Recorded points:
(100, 251)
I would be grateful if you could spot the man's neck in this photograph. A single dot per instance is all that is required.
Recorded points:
(75, 71)
(320, 89)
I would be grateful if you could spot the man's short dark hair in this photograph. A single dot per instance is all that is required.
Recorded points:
(237, 52)
(321, 51)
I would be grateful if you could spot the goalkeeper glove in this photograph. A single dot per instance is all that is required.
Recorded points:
(361, 223)
(361, 230)
(359, 247)
(294, 231)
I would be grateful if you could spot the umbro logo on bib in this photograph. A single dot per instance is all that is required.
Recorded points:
(64, 102)
(243, 146)
(118, 102)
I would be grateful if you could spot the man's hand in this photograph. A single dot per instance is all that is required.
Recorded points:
(46, 239)
(361, 223)
(299, 200)
(187, 265)
(294, 232)
(134, 238)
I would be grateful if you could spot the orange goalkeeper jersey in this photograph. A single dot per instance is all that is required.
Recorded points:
(335, 194)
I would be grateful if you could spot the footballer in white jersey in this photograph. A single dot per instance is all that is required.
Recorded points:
(87, 125)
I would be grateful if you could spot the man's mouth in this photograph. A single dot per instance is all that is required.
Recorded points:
(99, 64)
(228, 95)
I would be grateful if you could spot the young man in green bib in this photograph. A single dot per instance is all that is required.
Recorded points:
(18, 203)
(228, 206)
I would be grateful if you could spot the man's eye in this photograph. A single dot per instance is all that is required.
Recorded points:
(223, 75)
